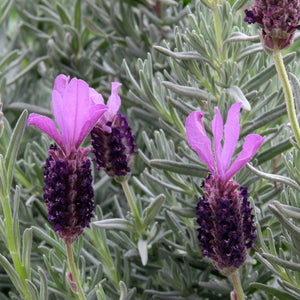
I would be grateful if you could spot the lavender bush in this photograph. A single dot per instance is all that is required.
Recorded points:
(109, 200)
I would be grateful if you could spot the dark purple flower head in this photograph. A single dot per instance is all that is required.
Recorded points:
(114, 148)
(68, 192)
(225, 222)
(112, 139)
(278, 20)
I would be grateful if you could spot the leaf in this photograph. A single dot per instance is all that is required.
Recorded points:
(281, 262)
(238, 96)
(13, 148)
(11, 56)
(43, 285)
(118, 224)
(151, 211)
(16, 217)
(26, 253)
(14, 277)
(263, 76)
(187, 91)
(280, 294)
(32, 289)
(63, 14)
(77, 15)
(143, 250)
(178, 167)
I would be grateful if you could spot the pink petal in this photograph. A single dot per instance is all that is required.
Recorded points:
(96, 112)
(198, 140)
(76, 104)
(250, 147)
(46, 125)
(95, 97)
(61, 83)
(58, 111)
(217, 129)
(231, 134)
(114, 101)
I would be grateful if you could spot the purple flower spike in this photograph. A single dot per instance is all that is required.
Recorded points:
(68, 191)
(225, 221)
(112, 139)
(278, 19)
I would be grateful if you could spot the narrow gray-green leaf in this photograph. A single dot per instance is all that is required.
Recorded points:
(14, 277)
(11, 56)
(32, 289)
(16, 217)
(77, 15)
(153, 209)
(187, 91)
(43, 284)
(119, 224)
(238, 96)
(143, 250)
(274, 177)
(296, 90)
(27, 69)
(281, 262)
(13, 147)
(263, 76)
(178, 167)
(279, 294)
(26, 252)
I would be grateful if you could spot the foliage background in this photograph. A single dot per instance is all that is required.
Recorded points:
(172, 57)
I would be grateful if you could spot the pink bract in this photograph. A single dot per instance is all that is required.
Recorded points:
(74, 114)
(220, 164)
(113, 103)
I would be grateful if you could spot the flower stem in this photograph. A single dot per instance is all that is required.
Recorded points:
(132, 204)
(288, 95)
(74, 272)
(237, 285)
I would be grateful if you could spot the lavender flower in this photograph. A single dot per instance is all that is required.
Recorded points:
(278, 20)
(224, 216)
(69, 194)
(112, 139)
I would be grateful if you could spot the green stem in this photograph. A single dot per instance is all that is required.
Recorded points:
(237, 285)
(132, 204)
(74, 272)
(288, 95)
(15, 253)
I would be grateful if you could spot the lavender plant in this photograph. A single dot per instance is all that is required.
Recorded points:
(160, 233)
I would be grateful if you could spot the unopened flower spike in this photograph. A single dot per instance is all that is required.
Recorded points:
(225, 221)
(68, 190)
(112, 140)
(278, 20)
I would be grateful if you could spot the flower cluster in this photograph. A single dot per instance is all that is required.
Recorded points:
(278, 19)
(78, 110)
(225, 221)
(112, 140)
